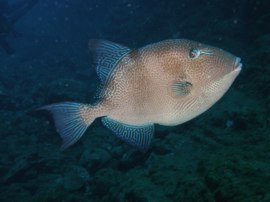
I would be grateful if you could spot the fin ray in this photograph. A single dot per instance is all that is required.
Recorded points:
(107, 55)
(181, 88)
(69, 121)
(136, 136)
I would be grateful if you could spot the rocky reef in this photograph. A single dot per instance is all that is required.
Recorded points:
(221, 156)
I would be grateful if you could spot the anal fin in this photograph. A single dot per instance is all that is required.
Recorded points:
(137, 136)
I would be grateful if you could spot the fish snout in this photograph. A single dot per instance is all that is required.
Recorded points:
(237, 66)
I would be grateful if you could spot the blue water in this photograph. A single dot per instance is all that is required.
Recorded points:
(222, 155)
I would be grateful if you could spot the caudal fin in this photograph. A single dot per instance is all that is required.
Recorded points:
(71, 120)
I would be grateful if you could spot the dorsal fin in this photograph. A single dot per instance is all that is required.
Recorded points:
(107, 55)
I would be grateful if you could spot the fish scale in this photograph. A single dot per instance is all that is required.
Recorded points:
(166, 83)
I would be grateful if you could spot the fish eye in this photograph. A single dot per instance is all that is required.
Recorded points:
(194, 53)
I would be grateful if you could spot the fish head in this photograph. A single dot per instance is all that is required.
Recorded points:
(204, 71)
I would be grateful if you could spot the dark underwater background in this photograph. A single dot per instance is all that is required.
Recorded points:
(223, 155)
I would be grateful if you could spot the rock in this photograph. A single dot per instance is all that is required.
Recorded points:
(50, 188)
(75, 178)
(238, 174)
(14, 192)
(94, 158)
(19, 167)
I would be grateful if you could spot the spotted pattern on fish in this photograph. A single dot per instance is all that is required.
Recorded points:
(166, 83)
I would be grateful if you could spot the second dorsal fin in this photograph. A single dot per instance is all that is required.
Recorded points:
(107, 55)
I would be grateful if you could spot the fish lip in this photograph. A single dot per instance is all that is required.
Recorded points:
(237, 64)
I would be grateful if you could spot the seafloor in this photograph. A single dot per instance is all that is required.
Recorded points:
(222, 155)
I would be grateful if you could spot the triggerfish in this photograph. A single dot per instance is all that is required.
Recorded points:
(166, 83)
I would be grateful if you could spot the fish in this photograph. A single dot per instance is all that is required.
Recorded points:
(167, 83)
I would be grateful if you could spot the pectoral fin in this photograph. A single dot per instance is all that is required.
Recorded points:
(181, 88)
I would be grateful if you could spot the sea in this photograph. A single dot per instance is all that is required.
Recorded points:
(223, 155)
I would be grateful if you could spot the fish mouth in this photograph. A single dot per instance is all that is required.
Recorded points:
(237, 64)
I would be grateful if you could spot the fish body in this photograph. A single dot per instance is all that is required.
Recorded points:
(166, 83)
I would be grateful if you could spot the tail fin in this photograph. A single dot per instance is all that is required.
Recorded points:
(71, 120)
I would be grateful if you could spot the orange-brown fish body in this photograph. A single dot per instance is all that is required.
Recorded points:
(140, 87)
(165, 83)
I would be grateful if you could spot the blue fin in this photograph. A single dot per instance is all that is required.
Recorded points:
(107, 55)
(137, 136)
(71, 120)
